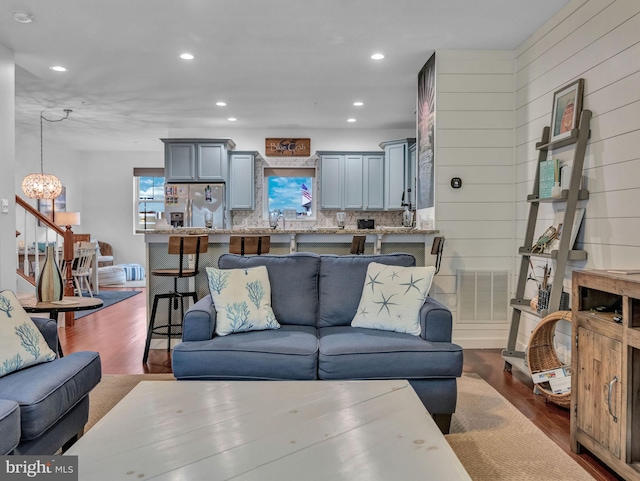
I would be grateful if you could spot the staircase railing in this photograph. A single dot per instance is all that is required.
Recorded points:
(39, 220)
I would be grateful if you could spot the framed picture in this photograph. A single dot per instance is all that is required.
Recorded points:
(567, 106)
(49, 206)
(426, 113)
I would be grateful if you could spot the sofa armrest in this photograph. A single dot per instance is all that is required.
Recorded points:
(199, 321)
(49, 329)
(435, 321)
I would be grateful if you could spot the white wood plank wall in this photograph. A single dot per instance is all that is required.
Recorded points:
(474, 141)
(598, 40)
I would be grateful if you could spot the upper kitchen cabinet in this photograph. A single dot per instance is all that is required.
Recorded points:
(396, 173)
(242, 180)
(351, 180)
(196, 160)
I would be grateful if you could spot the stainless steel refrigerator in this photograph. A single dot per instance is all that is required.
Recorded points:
(185, 205)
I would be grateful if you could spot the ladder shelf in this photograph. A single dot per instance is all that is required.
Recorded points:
(564, 252)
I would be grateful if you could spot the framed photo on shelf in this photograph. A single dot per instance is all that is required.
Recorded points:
(567, 106)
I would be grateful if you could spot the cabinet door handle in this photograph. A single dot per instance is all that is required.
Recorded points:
(613, 381)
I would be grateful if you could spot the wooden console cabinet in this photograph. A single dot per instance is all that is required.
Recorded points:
(605, 363)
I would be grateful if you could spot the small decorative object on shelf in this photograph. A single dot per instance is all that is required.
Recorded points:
(49, 286)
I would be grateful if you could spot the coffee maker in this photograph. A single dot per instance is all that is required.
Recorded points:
(177, 219)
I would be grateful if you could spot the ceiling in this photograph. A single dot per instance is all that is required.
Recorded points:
(279, 64)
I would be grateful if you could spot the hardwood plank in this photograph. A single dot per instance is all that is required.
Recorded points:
(118, 334)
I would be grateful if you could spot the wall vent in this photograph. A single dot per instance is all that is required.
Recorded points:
(483, 295)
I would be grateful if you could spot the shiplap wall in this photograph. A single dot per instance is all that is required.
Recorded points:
(474, 141)
(598, 40)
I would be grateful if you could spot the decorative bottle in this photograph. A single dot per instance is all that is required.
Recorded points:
(50, 286)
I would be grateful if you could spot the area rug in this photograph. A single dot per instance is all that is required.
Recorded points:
(492, 439)
(108, 298)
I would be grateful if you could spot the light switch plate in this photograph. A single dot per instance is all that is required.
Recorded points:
(5, 206)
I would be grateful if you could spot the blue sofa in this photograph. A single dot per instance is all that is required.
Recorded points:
(314, 297)
(44, 408)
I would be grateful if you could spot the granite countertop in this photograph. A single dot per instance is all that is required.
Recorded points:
(313, 230)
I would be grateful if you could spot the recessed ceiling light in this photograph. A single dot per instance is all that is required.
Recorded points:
(186, 56)
(221, 104)
(232, 119)
(58, 68)
(23, 17)
(377, 56)
(358, 104)
(351, 120)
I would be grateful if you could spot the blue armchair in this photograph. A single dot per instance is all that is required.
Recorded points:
(44, 408)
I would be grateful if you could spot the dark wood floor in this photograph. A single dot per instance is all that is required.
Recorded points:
(118, 334)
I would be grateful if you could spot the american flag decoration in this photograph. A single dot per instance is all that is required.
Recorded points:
(306, 197)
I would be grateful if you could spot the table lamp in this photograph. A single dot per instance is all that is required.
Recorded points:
(67, 219)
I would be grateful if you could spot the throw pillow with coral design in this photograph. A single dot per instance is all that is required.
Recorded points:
(242, 298)
(21, 342)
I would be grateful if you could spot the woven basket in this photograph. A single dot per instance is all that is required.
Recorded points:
(541, 354)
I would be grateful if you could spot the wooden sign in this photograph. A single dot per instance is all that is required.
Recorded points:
(287, 147)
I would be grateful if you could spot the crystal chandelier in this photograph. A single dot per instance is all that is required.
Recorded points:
(41, 185)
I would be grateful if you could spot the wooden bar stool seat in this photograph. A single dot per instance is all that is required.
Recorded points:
(183, 246)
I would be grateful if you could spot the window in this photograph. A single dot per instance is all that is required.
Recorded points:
(149, 191)
(290, 191)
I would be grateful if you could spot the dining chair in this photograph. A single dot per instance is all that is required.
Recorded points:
(84, 252)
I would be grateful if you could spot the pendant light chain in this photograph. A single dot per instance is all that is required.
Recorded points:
(43, 186)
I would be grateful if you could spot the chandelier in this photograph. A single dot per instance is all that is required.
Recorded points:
(41, 185)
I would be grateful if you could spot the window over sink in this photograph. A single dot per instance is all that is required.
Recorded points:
(291, 191)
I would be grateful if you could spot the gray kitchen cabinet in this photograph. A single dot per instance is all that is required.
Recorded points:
(396, 173)
(331, 181)
(373, 195)
(242, 180)
(180, 162)
(351, 180)
(196, 160)
(210, 162)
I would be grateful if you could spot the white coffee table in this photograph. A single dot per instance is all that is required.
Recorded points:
(270, 430)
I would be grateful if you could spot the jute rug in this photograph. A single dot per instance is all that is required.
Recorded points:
(492, 439)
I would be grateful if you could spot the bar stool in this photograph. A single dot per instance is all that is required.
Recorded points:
(436, 250)
(184, 246)
(357, 244)
(249, 244)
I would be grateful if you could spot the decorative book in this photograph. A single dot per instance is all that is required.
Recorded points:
(549, 176)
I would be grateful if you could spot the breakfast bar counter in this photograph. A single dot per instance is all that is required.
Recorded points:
(382, 240)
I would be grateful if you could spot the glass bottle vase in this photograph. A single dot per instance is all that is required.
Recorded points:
(50, 286)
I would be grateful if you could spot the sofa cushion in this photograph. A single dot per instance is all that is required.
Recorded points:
(356, 353)
(290, 352)
(392, 297)
(9, 426)
(294, 283)
(47, 391)
(21, 343)
(242, 298)
(340, 284)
